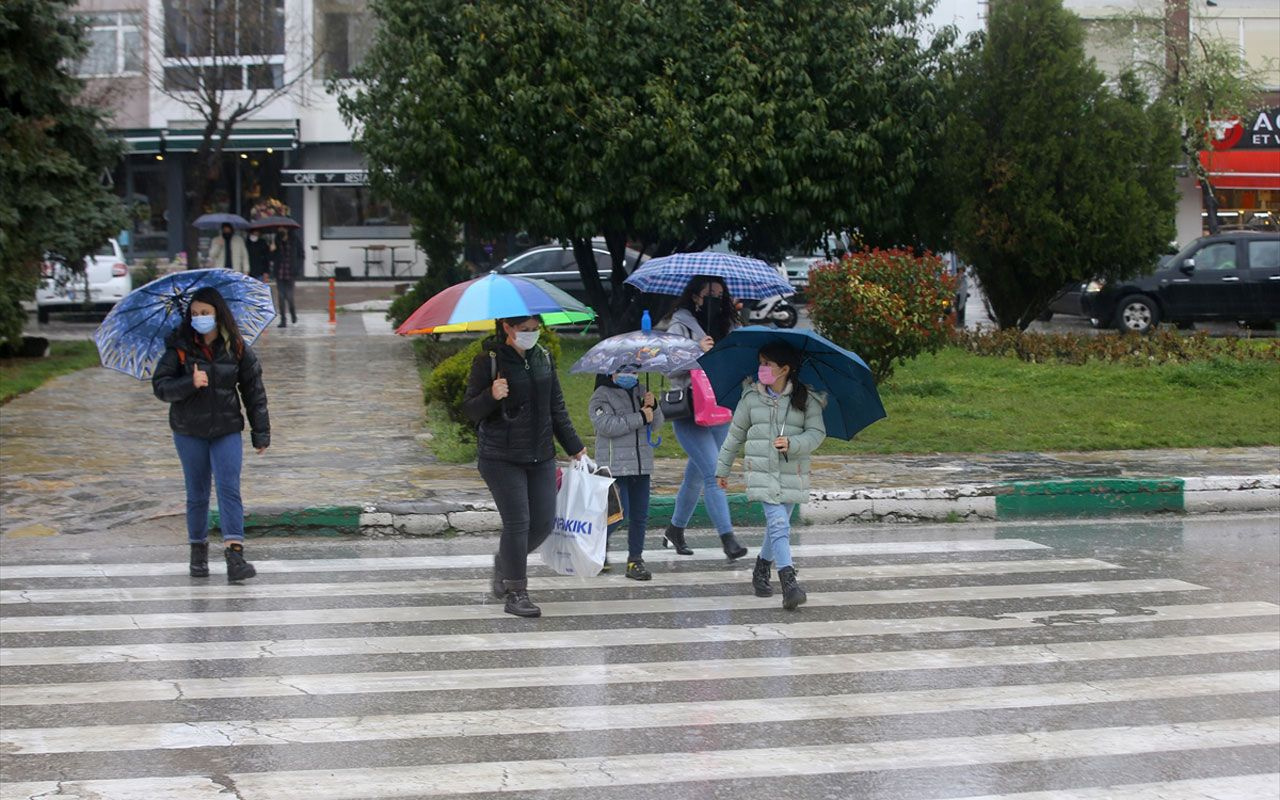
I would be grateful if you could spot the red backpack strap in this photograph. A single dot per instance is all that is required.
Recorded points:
(182, 356)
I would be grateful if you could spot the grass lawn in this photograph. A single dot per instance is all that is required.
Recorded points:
(958, 402)
(21, 375)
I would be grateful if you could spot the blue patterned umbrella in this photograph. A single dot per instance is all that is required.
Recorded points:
(748, 278)
(640, 351)
(131, 339)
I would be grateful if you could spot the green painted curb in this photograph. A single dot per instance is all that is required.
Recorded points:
(742, 511)
(1092, 497)
(319, 520)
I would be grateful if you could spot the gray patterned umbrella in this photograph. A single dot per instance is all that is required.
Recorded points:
(640, 351)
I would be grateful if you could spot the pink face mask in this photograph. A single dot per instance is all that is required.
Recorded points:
(766, 375)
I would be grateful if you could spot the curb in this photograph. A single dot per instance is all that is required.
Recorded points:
(1010, 500)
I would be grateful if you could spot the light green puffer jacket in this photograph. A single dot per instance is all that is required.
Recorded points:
(757, 421)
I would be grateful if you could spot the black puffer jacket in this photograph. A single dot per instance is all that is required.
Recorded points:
(521, 427)
(214, 410)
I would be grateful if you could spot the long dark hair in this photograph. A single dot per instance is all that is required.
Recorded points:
(501, 332)
(716, 325)
(784, 355)
(227, 325)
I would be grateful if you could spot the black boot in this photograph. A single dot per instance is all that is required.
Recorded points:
(760, 578)
(200, 560)
(792, 595)
(237, 568)
(732, 547)
(518, 601)
(674, 537)
(495, 585)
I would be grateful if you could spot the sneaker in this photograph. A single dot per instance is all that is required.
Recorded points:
(637, 571)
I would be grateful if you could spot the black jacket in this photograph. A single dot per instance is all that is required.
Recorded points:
(214, 410)
(521, 427)
(259, 257)
(292, 250)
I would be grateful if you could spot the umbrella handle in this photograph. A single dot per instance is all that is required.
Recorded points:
(648, 429)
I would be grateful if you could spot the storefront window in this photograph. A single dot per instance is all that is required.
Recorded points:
(1251, 209)
(350, 212)
(146, 202)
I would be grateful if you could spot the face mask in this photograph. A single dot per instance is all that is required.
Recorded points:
(253, 237)
(527, 339)
(204, 324)
(766, 375)
(626, 381)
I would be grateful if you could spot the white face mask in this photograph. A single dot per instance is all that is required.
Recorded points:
(527, 339)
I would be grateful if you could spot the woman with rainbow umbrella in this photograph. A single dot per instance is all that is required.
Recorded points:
(514, 397)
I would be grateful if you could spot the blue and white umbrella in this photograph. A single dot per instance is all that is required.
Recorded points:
(132, 337)
(748, 278)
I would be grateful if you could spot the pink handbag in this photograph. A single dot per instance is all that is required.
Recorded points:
(705, 410)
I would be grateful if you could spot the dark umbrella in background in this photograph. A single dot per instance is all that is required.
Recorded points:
(274, 222)
(211, 222)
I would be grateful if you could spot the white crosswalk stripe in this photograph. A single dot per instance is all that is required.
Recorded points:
(991, 655)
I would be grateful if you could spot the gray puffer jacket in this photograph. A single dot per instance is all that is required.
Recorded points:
(757, 421)
(622, 443)
(684, 323)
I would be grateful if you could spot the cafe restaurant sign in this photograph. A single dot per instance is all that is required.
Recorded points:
(1259, 131)
(308, 177)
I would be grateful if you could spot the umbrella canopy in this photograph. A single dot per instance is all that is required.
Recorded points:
(474, 305)
(748, 278)
(131, 339)
(211, 222)
(640, 351)
(274, 222)
(852, 400)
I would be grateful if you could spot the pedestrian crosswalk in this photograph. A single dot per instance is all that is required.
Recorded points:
(982, 668)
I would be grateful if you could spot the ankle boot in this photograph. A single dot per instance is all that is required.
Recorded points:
(674, 537)
(733, 549)
(792, 595)
(237, 568)
(495, 584)
(518, 601)
(200, 560)
(760, 578)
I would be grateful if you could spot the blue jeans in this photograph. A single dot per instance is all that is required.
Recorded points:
(777, 534)
(633, 490)
(703, 448)
(205, 459)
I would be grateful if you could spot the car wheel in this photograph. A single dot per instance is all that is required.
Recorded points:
(42, 315)
(1260, 325)
(1137, 313)
(1045, 316)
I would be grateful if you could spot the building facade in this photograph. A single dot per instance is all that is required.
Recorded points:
(159, 66)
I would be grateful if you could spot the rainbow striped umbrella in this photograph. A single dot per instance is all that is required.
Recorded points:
(475, 304)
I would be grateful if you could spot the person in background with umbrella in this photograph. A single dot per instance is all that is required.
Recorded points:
(227, 250)
(514, 397)
(204, 374)
(705, 314)
(779, 420)
(259, 255)
(622, 412)
(286, 262)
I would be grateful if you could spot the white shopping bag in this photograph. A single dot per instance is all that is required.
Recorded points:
(577, 542)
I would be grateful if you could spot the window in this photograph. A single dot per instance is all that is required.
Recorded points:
(533, 262)
(227, 44)
(1220, 255)
(350, 212)
(346, 36)
(115, 45)
(1264, 255)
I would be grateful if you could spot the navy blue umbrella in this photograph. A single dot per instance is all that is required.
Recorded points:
(852, 400)
(211, 222)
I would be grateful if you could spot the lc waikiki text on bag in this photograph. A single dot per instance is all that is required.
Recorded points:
(577, 542)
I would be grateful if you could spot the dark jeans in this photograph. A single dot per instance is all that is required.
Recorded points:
(633, 490)
(203, 460)
(526, 498)
(284, 295)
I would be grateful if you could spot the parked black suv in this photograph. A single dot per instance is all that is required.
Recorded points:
(1231, 276)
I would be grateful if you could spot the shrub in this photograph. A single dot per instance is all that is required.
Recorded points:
(447, 384)
(435, 280)
(1162, 346)
(146, 273)
(885, 305)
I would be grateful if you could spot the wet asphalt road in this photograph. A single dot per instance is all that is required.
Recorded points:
(1121, 659)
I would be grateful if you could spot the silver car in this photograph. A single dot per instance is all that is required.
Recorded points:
(105, 280)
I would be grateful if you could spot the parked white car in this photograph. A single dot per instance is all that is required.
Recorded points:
(62, 290)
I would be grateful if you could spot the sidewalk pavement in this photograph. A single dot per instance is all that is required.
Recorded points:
(91, 451)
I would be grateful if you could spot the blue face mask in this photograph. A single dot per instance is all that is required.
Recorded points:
(626, 381)
(204, 325)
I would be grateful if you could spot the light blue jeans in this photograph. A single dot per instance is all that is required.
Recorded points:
(204, 460)
(703, 448)
(777, 534)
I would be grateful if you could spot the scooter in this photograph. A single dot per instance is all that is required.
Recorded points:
(774, 310)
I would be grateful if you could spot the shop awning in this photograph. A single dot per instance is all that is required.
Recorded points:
(179, 140)
(1243, 169)
(330, 164)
